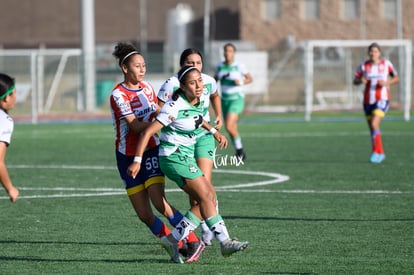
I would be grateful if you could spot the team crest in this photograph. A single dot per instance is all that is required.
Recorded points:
(192, 168)
(167, 95)
(150, 95)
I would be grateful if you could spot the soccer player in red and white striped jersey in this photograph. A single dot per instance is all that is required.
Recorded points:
(133, 106)
(377, 74)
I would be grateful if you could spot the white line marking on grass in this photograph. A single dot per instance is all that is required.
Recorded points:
(75, 167)
(275, 178)
(70, 195)
(320, 134)
(117, 191)
(333, 192)
(72, 189)
(227, 189)
(122, 192)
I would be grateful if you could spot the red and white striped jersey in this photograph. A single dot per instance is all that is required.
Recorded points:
(374, 72)
(124, 102)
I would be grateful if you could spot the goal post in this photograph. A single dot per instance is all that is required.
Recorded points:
(341, 54)
(47, 80)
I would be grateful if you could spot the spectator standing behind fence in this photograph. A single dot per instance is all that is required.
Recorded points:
(7, 101)
(377, 74)
(232, 76)
(178, 121)
(133, 106)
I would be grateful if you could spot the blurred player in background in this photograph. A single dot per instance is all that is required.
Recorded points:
(178, 121)
(7, 101)
(232, 76)
(205, 145)
(376, 74)
(133, 106)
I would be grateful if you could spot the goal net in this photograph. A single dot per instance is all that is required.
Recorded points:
(329, 67)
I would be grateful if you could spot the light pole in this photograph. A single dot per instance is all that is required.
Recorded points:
(88, 54)
(143, 33)
(206, 38)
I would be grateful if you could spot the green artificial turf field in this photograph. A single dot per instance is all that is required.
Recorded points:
(306, 198)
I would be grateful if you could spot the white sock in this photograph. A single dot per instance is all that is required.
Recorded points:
(237, 142)
(204, 227)
(187, 224)
(216, 224)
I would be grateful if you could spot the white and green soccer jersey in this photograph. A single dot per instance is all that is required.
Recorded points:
(227, 74)
(182, 122)
(172, 84)
(7, 126)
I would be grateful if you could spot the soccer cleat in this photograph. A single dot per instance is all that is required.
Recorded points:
(380, 158)
(377, 158)
(172, 249)
(373, 158)
(194, 250)
(241, 154)
(184, 249)
(231, 246)
(207, 237)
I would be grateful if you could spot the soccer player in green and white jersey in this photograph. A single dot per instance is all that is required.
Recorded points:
(205, 146)
(7, 101)
(179, 120)
(232, 75)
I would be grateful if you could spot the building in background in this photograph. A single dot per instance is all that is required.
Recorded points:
(267, 24)
(162, 28)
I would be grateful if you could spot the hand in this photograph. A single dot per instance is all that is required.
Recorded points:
(13, 194)
(361, 80)
(364, 80)
(382, 83)
(222, 140)
(238, 82)
(133, 169)
(219, 123)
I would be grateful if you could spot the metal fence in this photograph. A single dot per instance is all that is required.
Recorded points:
(49, 81)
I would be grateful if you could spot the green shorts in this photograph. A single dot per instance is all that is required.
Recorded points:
(204, 147)
(234, 106)
(178, 168)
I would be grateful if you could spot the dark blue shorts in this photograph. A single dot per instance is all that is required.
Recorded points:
(379, 108)
(150, 172)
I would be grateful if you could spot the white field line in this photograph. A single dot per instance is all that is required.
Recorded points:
(105, 134)
(275, 178)
(122, 192)
(335, 192)
(75, 195)
(321, 134)
(75, 167)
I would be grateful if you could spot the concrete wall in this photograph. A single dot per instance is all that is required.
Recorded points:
(330, 25)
